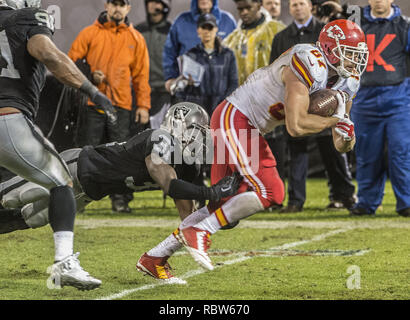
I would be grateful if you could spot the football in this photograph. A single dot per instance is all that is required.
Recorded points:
(323, 102)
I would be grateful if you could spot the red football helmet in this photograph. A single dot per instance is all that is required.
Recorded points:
(341, 41)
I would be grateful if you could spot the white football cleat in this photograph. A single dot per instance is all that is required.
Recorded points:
(68, 272)
(197, 242)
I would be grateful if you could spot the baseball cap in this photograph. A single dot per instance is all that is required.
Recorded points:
(206, 18)
(125, 1)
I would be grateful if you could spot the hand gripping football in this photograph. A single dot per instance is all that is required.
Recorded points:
(323, 102)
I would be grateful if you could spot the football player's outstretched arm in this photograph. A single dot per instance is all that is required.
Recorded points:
(60, 65)
(298, 121)
(162, 173)
(63, 68)
(165, 176)
(344, 143)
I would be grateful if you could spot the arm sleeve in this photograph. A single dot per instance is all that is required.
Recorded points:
(180, 189)
(140, 74)
(170, 54)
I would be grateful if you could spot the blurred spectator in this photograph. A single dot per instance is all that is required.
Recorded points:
(273, 7)
(381, 110)
(220, 77)
(155, 31)
(251, 41)
(326, 11)
(183, 35)
(116, 53)
(306, 29)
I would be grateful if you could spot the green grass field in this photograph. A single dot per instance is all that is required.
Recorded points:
(316, 254)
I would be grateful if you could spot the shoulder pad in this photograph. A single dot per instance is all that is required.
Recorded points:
(309, 65)
(350, 85)
(34, 17)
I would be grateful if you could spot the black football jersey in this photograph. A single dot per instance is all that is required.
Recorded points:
(21, 76)
(119, 168)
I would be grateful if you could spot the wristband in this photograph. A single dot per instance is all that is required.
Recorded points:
(89, 89)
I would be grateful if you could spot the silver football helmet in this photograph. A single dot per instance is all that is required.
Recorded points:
(20, 4)
(189, 124)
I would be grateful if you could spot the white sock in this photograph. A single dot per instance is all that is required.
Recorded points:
(210, 224)
(63, 243)
(165, 248)
(195, 217)
(239, 207)
(170, 244)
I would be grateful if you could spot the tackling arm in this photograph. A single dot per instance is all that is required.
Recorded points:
(163, 174)
(298, 121)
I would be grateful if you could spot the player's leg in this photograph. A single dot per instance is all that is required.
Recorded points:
(30, 201)
(261, 187)
(398, 141)
(31, 156)
(371, 168)
(154, 261)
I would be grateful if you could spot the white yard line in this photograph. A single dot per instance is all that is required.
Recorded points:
(193, 273)
(254, 224)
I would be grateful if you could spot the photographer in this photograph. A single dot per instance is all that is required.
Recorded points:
(326, 11)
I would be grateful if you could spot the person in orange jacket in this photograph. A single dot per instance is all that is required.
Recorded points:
(117, 55)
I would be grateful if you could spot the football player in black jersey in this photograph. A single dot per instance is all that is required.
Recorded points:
(154, 159)
(26, 50)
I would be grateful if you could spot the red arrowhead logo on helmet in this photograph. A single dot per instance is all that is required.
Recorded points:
(335, 32)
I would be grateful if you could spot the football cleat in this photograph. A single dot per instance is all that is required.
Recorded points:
(68, 272)
(158, 268)
(197, 242)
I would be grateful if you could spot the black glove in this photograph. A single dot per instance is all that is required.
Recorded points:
(102, 101)
(225, 187)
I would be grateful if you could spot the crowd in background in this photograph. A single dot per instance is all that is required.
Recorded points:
(223, 53)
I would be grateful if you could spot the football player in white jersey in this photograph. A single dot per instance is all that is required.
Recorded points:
(271, 96)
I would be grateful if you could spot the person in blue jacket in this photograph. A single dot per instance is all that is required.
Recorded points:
(381, 110)
(220, 77)
(183, 35)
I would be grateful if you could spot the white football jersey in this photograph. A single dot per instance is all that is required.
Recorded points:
(261, 98)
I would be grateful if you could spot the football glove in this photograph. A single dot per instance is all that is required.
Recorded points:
(341, 106)
(345, 128)
(225, 187)
(104, 103)
(100, 100)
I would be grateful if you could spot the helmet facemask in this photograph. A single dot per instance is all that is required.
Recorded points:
(193, 136)
(357, 55)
